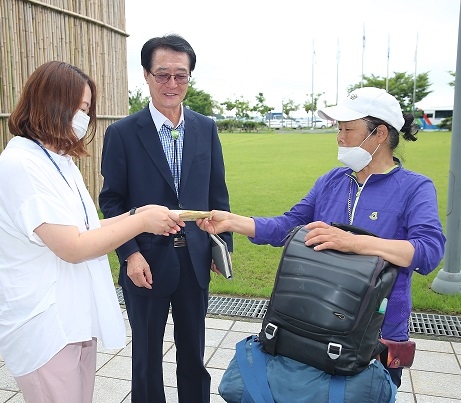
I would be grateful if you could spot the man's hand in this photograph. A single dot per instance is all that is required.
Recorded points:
(138, 270)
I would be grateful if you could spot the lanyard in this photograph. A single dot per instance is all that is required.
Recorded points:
(87, 224)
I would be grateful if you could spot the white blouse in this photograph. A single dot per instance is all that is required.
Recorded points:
(46, 302)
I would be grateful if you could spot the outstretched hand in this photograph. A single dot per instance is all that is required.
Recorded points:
(161, 221)
(219, 222)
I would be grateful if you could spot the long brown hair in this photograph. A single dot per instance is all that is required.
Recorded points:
(49, 100)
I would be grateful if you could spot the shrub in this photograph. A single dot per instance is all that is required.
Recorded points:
(227, 125)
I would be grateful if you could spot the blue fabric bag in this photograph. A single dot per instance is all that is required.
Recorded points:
(254, 376)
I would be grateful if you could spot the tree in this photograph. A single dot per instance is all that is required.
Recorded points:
(289, 107)
(198, 100)
(261, 107)
(453, 74)
(400, 86)
(136, 100)
(217, 110)
(239, 105)
(311, 105)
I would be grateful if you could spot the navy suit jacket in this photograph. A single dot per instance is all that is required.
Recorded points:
(136, 173)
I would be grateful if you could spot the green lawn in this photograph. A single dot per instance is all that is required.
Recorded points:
(269, 172)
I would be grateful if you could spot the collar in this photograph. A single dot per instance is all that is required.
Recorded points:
(397, 164)
(160, 119)
(376, 177)
(27, 144)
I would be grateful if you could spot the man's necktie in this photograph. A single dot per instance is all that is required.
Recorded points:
(176, 163)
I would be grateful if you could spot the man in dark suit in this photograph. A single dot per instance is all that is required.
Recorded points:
(166, 154)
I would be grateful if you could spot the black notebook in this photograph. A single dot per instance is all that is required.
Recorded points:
(220, 255)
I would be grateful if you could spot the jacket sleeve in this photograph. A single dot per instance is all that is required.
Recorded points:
(424, 228)
(275, 230)
(219, 195)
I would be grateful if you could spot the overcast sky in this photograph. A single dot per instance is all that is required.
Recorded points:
(245, 47)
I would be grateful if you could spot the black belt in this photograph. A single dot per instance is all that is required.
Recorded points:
(179, 241)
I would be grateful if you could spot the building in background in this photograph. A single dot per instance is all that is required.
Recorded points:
(431, 117)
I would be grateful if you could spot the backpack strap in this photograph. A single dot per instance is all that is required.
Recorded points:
(255, 376)
(270, 333)
(337, 389)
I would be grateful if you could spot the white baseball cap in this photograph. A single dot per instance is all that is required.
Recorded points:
(366, 101)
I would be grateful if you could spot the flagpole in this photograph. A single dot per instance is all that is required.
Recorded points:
(312, 95)
(337, 71)
(388, 52)
(363, 53)
(448, 280)
(414, 78)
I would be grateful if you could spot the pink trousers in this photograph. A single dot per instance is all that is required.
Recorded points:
(68, 377)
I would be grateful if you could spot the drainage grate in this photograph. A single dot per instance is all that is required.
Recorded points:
(119, 292)
(431, 324)
(420, 323)
(249, 308)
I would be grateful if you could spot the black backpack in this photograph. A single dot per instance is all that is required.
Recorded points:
(327, 307)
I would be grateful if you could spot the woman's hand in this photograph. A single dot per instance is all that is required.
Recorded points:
(219, 222)
(325, 236)
(159, 220)
(222, 221)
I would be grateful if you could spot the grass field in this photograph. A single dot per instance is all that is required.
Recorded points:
(267, 173)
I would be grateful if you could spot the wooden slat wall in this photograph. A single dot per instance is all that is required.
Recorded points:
(89, 34)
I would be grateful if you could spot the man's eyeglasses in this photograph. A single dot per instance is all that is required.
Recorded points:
(163, 78)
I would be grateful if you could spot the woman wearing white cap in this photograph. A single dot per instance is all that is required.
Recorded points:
(374, 192)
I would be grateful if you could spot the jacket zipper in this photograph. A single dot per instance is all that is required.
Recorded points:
(357, 197)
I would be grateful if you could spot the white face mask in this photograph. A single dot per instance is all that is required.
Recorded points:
(80, 124)
(356, 158)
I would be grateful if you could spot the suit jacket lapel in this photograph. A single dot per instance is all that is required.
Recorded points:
(189, 146)
(148, 135)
